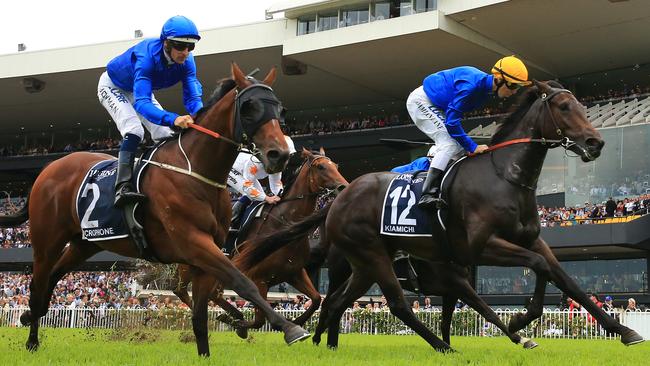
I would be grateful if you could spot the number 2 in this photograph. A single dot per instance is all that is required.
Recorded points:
(86, 222)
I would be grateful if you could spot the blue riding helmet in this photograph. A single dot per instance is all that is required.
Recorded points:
(180, 28)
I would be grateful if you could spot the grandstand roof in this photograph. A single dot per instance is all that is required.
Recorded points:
(367, 63)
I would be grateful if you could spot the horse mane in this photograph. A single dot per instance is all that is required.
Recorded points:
(291, 170)
(223, 87)
(519, 109)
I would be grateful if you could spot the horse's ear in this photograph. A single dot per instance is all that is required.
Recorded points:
(321, 151)
(541, 86)
(269, 79)
(238, 75)
(305, 153)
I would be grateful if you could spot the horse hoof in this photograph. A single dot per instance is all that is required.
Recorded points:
(333, 347)
(26, 318)
(530, 344)
(631, 337)
(32, 346)
(242, 332)
(295, 334)
(448, 350)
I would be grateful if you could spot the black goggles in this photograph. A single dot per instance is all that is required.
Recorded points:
(181, 46)
(512, 86)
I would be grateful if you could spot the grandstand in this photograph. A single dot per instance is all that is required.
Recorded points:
(363, 64)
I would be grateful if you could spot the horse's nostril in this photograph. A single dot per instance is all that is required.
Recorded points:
(273, 155)
(595, 143)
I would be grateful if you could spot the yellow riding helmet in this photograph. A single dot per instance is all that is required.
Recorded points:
(512, 70)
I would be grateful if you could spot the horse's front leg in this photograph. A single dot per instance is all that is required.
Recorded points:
(184, 277)
(201, 251)
(566, 284)
(302, 283)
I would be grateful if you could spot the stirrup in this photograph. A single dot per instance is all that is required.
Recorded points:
(124, 196)
(428, 202)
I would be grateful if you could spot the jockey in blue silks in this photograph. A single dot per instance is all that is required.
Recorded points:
(126, 91)
(438, 105)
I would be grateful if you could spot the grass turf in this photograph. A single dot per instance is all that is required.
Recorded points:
(153, 347)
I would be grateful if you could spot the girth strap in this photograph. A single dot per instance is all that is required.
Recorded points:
(186, 172)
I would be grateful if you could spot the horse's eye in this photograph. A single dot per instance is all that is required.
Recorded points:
(321, 167)
(565, 107)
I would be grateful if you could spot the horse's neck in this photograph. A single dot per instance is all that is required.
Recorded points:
(301, 187)
(522, 163)
(209, 156)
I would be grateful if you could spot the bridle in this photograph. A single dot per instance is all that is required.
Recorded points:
(319, 190)
(563, 140)
(243, 130)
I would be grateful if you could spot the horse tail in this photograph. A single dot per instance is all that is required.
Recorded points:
(259, 248)
(16, 218)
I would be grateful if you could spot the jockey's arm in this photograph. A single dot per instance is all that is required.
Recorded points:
(252, 186)
(192, 90)
(142, 91)
(454, 114)
(275, 183)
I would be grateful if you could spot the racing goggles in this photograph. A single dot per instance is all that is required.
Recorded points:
(181, 46)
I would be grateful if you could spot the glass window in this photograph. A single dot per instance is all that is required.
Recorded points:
(405, 7)
(354, 16)
(327, 21)
(599, 276)
(307, 25)
(425, 5)
(622, 170)
(381, 10)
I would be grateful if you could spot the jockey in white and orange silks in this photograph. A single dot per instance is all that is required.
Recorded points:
(244, 178)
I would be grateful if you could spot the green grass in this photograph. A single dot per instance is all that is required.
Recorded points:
(152, 347)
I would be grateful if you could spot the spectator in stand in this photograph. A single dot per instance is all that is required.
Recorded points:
(631, 305)
(608, 305)
(574, 307)
(610, 207)
(416, 306)
(427, 304)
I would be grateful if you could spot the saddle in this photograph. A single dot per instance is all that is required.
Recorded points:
(250, 213)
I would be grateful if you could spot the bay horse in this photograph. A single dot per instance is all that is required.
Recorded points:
(316, 175)
(492, 218)
(451, 281)
(185, 218)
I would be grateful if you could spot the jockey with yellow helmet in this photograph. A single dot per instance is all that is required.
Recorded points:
(126, 91)
(438, 105)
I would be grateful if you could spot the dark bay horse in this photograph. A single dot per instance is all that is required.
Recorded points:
(185, 218)
(448, 280)
(316, 175)
(492, 220)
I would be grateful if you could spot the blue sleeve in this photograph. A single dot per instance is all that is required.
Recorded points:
(401, 168)
(454, 113)
(192, 90)
(142, 92)
(422, 163)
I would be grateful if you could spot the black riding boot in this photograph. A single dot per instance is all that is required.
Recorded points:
(237, 211)
(429, 199)
(124, 192)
